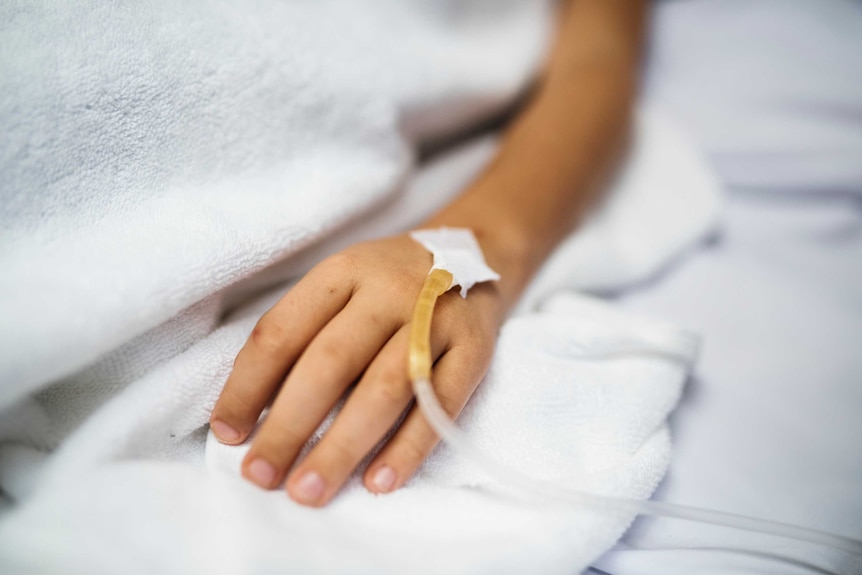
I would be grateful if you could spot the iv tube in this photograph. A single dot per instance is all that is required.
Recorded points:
(436, 284)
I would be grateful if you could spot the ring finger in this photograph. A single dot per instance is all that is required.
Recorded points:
(374, 407)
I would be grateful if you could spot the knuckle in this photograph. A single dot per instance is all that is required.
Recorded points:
(343, 454)
(326, 360)
(329, 350)
(400, 284)
(342, 262)
(413, 450)
(234, 406)
(388, 298)
(268, 336)
(277, 438)
(391, 387)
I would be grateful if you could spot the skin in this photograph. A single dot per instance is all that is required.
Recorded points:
(347, 321)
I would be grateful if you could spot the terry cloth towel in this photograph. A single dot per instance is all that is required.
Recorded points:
(163, 165)
(547, 406)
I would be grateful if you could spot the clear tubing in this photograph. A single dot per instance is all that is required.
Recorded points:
(420, 374)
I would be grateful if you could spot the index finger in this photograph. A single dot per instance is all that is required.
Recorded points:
(274, 345)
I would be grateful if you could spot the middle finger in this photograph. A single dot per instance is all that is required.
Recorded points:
(330, 363)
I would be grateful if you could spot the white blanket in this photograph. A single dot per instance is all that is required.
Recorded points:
(164, 164)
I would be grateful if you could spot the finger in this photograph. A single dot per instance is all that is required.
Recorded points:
(376, 404)
(334, 359)
(455, 376)
(273, 346)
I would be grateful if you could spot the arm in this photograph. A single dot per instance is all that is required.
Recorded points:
(556, 154)
(348, 319)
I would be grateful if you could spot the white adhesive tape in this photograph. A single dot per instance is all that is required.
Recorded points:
(457, 251)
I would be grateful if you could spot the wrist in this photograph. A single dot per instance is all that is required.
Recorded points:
(505, 249)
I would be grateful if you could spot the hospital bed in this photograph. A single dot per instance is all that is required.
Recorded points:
(768, 424)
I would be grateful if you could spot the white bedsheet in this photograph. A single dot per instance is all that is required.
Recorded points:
(771, 423)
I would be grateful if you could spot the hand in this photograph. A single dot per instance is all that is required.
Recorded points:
(348, 320)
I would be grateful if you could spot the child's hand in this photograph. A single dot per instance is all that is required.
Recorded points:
(348, 321)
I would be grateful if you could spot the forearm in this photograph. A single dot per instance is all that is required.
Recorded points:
(557, 153)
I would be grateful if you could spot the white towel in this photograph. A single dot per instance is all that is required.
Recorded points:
(595, 424)
(154, 154)
(165, 163)
(598, 424)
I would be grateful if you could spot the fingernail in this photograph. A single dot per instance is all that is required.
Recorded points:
(224, 431)
(261, 472)
(309, 488)
(384, 479)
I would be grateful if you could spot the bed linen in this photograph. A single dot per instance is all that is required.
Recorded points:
(133, 488)
(771, 423)
(169, 169)
(799, 230)
(139, 487)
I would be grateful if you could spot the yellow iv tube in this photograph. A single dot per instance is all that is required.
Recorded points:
(436, 284)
